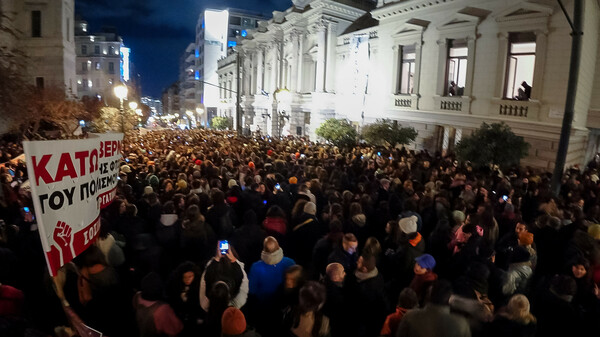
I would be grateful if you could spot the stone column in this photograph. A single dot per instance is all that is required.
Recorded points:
(274, 67)
(446, 140)
(442, 64)
(300, 60)
(396, 69)
(330, 60)
(259, 69)
(541, 45)
(321, 30)
(501, 64)
(470, 66)
(294, 62)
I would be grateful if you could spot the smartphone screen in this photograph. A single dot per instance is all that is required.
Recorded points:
(224, 247)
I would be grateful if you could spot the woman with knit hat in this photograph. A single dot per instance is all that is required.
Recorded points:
(513, 320)
(526, 240)
(233, 324)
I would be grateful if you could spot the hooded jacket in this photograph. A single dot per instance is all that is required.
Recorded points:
(267, 274)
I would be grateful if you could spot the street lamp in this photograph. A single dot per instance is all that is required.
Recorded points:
(133, 105)
(121, 93)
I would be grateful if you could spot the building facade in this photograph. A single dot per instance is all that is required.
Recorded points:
(187, 83)
(216, 31)
(43, 31)
(443, 67)
(170, 100)
(155, 105)
(102, 61)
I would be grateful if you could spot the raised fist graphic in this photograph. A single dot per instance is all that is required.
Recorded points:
(64, 239)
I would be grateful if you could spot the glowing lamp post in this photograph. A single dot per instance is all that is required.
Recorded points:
(121, 93)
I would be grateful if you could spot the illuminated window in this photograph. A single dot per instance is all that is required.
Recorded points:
(456, 68)
(97, 66)
(36, 24)
(520, 66)
(407, 70)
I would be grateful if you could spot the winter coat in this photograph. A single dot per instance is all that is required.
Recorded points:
(369, 306)
(517, 278)
(303, 238)
(236, 280)
(267, 275)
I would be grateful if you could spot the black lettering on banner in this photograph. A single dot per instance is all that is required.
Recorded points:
(42, 198)
(103, 168)
(69, 194)
(84, 186)
(112, 165)
(93, 187)
(53, 203)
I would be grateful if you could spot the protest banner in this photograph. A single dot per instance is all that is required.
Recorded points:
(71, 180)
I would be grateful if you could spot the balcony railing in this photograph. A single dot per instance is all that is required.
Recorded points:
(517, 109)
(450, 105)
(513, 110)
(405, 101)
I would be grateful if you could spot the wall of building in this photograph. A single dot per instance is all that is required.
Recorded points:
(52, 55)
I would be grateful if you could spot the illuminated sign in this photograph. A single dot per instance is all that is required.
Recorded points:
(125, 63)
(244, 33)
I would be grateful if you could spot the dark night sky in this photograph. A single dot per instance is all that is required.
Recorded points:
(158, 31)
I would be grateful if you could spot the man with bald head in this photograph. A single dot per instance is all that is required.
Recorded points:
(335, 303)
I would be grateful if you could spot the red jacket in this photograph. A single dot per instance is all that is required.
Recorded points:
(277, 225)
(11, 301)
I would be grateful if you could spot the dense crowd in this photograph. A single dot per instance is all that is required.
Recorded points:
(213, 234)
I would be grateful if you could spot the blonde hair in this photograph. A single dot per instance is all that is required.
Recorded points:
(517, 309)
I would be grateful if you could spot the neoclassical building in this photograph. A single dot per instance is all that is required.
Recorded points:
(441, 66)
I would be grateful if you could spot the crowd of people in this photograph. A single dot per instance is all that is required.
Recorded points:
(214, 234)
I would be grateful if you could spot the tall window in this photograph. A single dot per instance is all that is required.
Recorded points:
(97, 66)
(111, 50)
(96, 49)
(83, 49)
(84, 66)
(456, 73)
(407, 70)
(36, 23)
(520, 66)
(111, 67)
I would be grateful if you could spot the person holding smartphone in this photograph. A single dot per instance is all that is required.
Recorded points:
(226, 268)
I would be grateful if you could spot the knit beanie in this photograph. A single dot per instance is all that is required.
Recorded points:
(310, 208)
(525, 238)
(154, 181)
(293, 180)
(148, 190)
(408, 225)
(233, 322)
